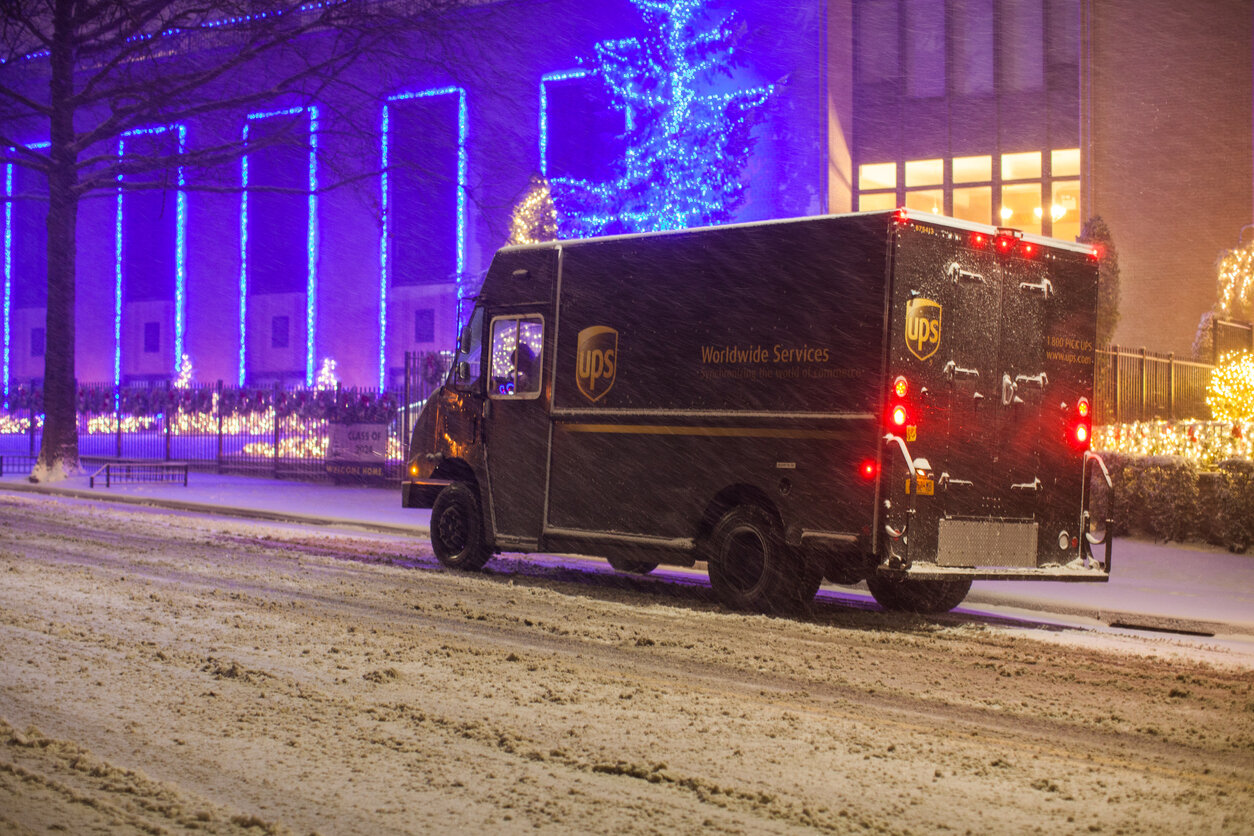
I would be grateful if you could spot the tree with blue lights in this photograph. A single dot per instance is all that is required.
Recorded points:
(688, 139)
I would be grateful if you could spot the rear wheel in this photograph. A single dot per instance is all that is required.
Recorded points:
(634, 567)
(457, 528)
(919, 596)
(751, 568)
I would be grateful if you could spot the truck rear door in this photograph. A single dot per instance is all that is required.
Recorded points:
(972, 314)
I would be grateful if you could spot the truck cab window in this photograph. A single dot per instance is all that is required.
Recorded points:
(467, 364)
(517, 343)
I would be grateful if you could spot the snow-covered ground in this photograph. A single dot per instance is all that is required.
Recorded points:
(177, 672)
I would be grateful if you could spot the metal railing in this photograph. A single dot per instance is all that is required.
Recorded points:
(1141, 385)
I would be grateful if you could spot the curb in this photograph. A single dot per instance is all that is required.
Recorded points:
(216, 510)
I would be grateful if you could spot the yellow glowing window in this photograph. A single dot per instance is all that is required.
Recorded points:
(974, 203)
(1021, 207)
(924, 173)
(1064, 209)
(1025, 166)
(973, 169)
(1065, 162)
(876, 202)
(927, 200)
(877, 176)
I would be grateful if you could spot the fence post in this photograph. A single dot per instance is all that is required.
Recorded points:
(166, 414)
(1142, 411)
(405, 411)
(1118, 389)
(117, 415)
(1171, 386)
(218, 409)
(274, 407)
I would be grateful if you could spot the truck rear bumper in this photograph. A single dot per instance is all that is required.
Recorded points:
(1070, 572)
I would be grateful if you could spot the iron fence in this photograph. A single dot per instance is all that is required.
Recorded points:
(261, 431)
(1140, 385)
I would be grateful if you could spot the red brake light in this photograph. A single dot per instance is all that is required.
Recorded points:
(899, 415)
(1082, 434)
(869, 469)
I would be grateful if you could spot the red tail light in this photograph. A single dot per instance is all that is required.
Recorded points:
(1082, 435)
(869, 469)
(1080, 425)
(898, 416)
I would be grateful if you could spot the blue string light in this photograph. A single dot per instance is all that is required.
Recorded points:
(180, 251)
(8, 270)
(686, 145)
(386, 202)
(311, 238)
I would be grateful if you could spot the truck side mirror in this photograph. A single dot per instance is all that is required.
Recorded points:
(463, 372)
(464, 342)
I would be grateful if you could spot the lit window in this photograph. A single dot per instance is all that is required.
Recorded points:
(927, 200)
(973, 169)
(1065, 162)
(925, 173)
(1065, 209)
(517, 344)
(1021, 207)
(877, 201)
(974, 204)
(1025, 166)
(877, 176)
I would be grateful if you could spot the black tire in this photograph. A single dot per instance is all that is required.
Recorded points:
(633, 567)
(751, 568)
(457, 528)
(918, 596)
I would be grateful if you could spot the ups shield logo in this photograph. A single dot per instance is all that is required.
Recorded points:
(596, 361)
(923, 327)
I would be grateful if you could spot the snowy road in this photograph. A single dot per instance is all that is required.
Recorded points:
(165, 672)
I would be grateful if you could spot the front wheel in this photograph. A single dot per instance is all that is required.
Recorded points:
(751, 568)
(457, 528)
(918, 596)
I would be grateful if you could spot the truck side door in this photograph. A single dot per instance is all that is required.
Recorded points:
(516, 427)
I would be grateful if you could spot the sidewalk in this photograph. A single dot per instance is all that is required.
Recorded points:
(1173, 587)
(373, 508)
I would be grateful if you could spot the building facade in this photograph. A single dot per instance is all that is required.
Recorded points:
(353, 228)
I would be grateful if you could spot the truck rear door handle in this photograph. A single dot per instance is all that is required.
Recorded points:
(959, 275)
(953, 370)
(1044, 287)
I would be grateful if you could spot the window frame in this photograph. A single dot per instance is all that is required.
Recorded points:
(489, 377)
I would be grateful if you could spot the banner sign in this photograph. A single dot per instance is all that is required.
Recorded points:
(357, 451)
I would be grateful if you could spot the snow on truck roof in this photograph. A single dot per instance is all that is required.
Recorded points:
(916, 216)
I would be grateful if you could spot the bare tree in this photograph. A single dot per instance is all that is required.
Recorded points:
(84, 73)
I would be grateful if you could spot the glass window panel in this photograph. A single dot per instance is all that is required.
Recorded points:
(516, 347)
(877, 41)
(925, 173)
(877, 202)
(877, 176)
(973, 169)
(1023, 44)
(1064, 209)
(1025, 166)
(927, 200)
(974, 204)
(1021, 207)
(925, 48)
(973, 47)
(1065, 162)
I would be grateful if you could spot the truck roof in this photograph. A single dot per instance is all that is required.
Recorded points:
(903, 213)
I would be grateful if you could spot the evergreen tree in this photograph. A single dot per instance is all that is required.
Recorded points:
(687, 141)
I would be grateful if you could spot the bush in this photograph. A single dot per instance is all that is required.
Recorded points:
(1154, 495)
(1234, 505)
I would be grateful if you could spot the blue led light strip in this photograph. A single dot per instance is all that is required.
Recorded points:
(311, 239)
(8, 266)
(386, 203)
(180, 253)
(545, 80)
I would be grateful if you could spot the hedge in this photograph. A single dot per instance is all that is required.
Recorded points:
(1170, 498)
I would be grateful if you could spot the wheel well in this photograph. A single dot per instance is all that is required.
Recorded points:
(727, 499)
(457, 470)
